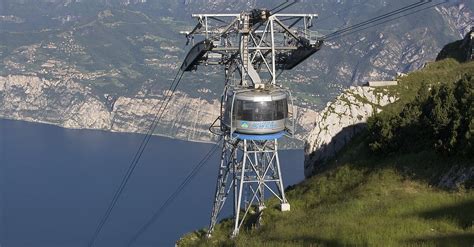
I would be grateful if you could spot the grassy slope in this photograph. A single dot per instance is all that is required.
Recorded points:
(367, 199)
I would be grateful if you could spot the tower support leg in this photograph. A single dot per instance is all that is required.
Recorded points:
(254, 167)
(224, 185)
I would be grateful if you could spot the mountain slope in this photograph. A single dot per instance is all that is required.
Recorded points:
(391, 198)
(365, 201)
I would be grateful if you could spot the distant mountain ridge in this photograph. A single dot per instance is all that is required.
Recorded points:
(378, 53)
(131, 48)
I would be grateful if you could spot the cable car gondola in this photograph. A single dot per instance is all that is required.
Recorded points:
(257, 111)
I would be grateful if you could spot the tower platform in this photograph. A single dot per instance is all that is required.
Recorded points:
(259, 137)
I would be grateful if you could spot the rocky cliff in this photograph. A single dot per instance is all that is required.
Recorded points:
(74, 105)
(335, 126)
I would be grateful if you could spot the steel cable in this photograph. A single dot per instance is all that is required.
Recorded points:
(376, 19)
(138, 154)
(381, 23)
(175, 194)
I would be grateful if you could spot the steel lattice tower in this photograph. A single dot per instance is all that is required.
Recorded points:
(253, 47)
(248, 166)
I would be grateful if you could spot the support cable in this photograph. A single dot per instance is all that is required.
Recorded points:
(383, 22)
(379, 18)
(340, 13)
(283, 6)
(138, 155)
(175, 194)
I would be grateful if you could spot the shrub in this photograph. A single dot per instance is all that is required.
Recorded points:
(440, 117)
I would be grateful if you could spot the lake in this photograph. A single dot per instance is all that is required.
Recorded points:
(55, 185)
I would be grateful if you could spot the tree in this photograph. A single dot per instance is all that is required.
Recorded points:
(465, 94)
(440, 117)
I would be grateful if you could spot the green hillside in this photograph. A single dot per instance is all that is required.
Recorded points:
(375, 194)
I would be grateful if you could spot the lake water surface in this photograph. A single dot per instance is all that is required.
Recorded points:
(56, 183)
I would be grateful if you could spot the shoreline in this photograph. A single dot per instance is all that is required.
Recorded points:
(118, 132)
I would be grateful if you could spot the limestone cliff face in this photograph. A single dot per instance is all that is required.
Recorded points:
(335, 126)
(64, 103)
(73, 105)
(185, 118)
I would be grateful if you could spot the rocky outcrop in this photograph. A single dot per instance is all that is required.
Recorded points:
(457, 177)
(71, 104)
(461, 50)
(335, 126)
